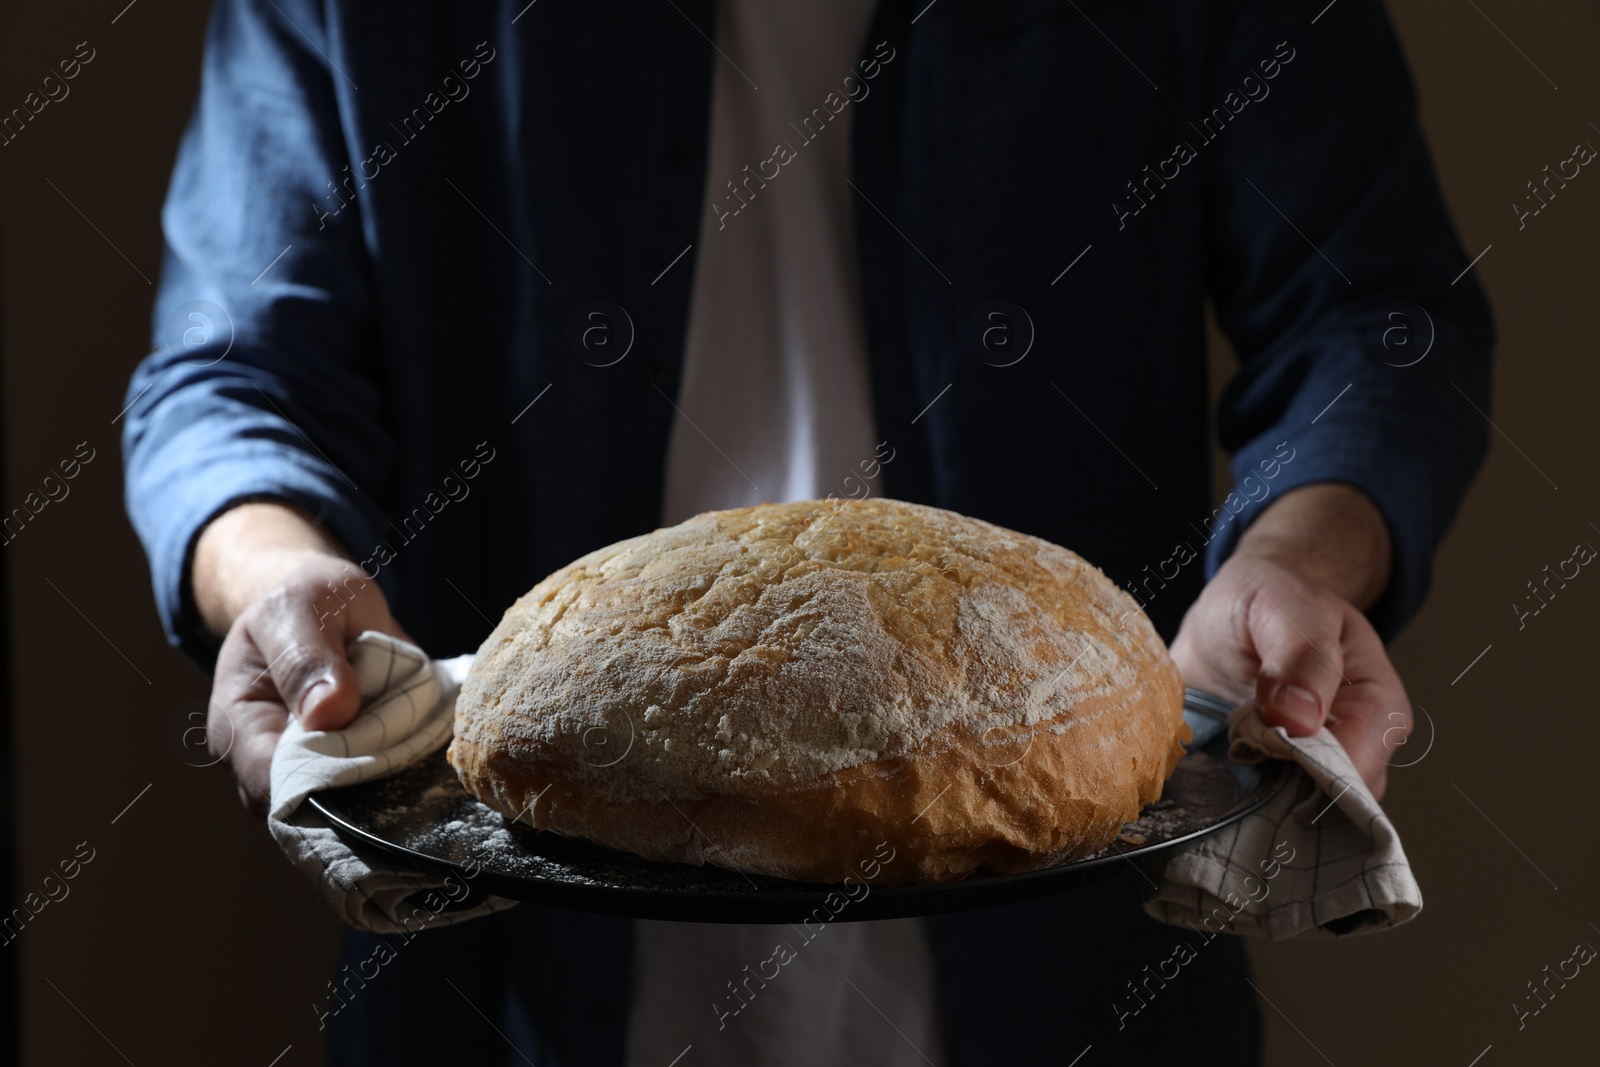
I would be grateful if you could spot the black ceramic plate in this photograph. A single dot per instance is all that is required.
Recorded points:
(424, 814)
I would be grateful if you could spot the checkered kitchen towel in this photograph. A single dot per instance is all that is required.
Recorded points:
(408, 712)
(1319, 860)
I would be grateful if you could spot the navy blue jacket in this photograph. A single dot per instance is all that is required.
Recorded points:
(390, 224)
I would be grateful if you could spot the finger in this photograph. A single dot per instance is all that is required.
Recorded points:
(1372, 716)
(1354, 736)
(1297, 634)
(256, 726)
(1213, 649)
(245, 718)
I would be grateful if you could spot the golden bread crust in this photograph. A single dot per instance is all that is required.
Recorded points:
(780, 689)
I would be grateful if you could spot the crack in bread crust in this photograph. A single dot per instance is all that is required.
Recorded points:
(780, 688)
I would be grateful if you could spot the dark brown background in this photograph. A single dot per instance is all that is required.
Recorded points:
(188, 939)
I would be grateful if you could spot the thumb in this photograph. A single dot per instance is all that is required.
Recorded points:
(307, 663)
(333, 698)
(312, 673)
(1298, 642)
(307, 632)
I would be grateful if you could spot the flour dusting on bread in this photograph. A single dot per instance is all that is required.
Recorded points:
(839, 651)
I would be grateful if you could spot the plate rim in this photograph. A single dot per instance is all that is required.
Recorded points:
(788, 906)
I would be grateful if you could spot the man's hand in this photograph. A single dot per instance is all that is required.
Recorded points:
(280, 588)
(1281, 622)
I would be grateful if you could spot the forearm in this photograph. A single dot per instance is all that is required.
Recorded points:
(1329, 534)
(246, 551)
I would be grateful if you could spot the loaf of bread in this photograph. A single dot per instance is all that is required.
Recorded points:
(787, 689)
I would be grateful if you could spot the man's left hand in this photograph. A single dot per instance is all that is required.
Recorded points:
(1271, 625)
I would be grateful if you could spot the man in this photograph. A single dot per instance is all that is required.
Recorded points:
(485, 286)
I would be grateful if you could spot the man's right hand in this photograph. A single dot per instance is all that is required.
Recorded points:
(289, 602)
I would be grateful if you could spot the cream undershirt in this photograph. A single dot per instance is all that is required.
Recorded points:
(775, 406)
(775, 401)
